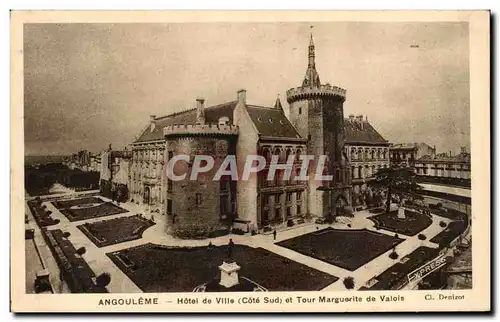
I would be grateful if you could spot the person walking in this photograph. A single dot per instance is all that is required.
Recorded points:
(274, 234)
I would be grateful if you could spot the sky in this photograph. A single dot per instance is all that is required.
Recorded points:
(88, 85)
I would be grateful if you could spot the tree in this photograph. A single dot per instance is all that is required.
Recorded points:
(349, 282)
(103, 279)
(398, 181)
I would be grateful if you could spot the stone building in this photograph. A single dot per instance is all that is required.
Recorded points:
(115, 174)
(445, 165)
(368, 152)
(240, 129)
(408, 153)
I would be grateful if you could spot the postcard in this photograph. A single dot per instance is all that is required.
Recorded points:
(260, 161)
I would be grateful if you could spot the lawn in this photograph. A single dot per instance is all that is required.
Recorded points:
(114, 231)
(155, 268)
(396, 275)
(409, 226)
(349, 249)
(62, 204)
(102, 210)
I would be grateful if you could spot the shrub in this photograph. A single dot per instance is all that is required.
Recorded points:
(442, 224)
(396, 236)
(439, 205)
(290, 223)
(80, 251)
(66, 234)
(103, 280)
(56, 221)
(393, 255)
(422, 237)
(267, 229)
(349, 225)
(349, 282)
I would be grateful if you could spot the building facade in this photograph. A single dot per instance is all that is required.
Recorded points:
(406, 154)
(368, 152)
(445, 165)
(115, 174)
(239, 129)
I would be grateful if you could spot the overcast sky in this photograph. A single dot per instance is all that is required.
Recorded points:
(88, 85)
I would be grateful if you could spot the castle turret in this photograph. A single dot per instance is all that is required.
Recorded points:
(192, 196)
(317, 112)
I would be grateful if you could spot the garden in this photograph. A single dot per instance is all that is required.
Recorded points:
(349, 249)
(410, 225)
(115, 231)
(155, 268)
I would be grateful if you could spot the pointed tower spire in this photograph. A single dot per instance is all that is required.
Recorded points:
(277, 104)
(312, 78)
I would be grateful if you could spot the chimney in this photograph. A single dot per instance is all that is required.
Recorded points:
(242, 96)
(200, 111)
(351, 117)
(152, 120)
(360, 121)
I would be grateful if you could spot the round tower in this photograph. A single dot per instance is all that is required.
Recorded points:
(317, 112)
(199, 206)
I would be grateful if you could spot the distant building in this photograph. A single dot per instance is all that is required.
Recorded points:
(445, 165)
(367, 151)
(407, 153)
(114, 174)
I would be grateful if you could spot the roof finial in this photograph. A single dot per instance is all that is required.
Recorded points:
(311, 40)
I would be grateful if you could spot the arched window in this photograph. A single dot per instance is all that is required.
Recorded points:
(287, 154)
(266, 154)
(373, 154)
(298, 154)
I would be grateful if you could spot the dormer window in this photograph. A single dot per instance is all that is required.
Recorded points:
(259, 119)
(270, 120)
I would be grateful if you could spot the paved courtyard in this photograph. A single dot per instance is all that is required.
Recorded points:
(141, 257)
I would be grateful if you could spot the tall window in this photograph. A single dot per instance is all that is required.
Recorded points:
(169, 206)
(223, 206)
(289, 196)
(299, 210)
(288, 212)
(299, 195)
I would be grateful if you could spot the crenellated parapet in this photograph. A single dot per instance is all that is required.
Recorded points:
(200, 129)
(306, 92)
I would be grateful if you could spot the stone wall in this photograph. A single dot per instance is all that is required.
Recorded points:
(194, 208)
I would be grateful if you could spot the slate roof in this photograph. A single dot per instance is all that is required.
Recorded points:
(279, 126)
(404, 146)
(444, 157)
(272, 122)
(357, 132)
(212, 115)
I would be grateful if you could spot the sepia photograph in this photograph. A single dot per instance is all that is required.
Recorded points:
(188, 163)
